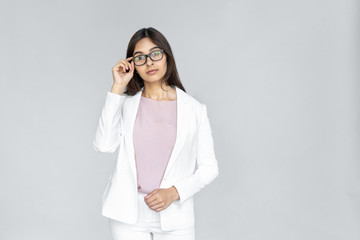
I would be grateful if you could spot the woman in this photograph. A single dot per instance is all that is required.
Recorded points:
(166, 151)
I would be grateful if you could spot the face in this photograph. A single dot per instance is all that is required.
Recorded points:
(146, 46)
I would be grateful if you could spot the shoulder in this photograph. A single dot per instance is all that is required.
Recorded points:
(199, 108)
(192, 100)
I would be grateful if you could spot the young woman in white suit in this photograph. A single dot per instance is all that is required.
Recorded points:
(166, 149)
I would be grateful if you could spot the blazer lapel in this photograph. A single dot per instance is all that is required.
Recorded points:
(129, 116)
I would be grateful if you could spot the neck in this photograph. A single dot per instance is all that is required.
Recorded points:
(156, 91)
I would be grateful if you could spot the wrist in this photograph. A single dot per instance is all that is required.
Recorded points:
(175, 193)
(118, 89)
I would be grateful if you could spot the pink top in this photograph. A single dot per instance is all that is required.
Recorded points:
(154, 138)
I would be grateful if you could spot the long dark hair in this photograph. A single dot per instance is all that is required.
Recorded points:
(171, 76)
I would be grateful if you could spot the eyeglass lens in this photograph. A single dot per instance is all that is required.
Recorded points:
(155, 56)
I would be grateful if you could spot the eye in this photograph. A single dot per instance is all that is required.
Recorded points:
(138, 58)
(156, 53)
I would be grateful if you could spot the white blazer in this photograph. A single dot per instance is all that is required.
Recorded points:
(191, 166)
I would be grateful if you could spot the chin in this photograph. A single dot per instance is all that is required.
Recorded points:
(152, 78)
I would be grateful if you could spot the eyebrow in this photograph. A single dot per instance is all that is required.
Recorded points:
(142, 52)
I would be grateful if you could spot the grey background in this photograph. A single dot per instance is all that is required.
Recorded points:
(281, 83)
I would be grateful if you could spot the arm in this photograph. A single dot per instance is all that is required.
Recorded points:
(108, 133)
(207, 167)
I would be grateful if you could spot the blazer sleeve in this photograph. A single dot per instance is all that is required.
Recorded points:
(206, 164)
(108, 133)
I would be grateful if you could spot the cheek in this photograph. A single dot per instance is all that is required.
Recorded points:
(139, 70)
(164, 65)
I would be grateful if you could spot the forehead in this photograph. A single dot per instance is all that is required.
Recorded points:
(144, 45)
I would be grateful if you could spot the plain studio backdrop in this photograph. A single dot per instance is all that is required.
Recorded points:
(281, 83)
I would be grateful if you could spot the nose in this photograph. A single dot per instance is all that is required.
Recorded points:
(149, 61)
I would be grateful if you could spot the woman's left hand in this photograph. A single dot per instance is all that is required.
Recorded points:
(161, 198)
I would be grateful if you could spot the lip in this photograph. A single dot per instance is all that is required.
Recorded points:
(152, 71)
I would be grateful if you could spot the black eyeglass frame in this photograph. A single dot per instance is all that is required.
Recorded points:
(148, 55)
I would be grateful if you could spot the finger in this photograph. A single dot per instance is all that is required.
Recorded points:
(151, 201)
(119, 65)
(157, 206)
(123, 62)
(126, 64)
(152, 193)
(152, 204)
(117, 68)
(132, 65)
(126, 59)
(123, 67)
(160, 209)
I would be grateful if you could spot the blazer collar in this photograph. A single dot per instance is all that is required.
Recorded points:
(129, 116)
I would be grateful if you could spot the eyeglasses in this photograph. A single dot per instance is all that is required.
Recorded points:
(142, 59)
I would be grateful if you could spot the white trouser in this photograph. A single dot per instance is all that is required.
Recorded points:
(147, 227)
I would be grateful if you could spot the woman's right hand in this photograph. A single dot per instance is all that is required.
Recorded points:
(121, 77)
